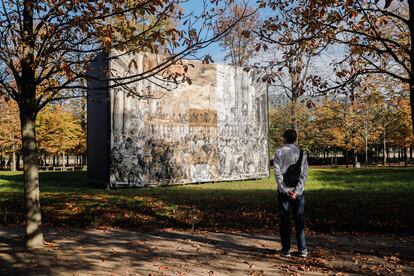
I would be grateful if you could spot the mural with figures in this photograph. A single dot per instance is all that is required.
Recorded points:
(214, 129)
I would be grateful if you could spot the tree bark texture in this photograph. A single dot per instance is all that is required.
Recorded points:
(411, 26)
(34, 235)
(366, 151)
(384, 150)
(14, 160)
(27, 106)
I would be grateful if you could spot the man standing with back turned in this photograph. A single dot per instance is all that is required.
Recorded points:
(291, 171)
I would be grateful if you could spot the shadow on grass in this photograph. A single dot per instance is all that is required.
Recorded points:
(49, 182)
(377, 201)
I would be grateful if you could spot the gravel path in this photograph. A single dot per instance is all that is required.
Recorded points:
(119, 252)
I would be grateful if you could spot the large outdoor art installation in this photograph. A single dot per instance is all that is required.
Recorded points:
(153, 132)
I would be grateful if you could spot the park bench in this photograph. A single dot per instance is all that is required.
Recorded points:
(70, 168)
(45, 168)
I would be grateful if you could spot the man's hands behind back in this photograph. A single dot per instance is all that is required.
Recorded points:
(292, 195)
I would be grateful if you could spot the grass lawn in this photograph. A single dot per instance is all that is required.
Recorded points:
(351, 200)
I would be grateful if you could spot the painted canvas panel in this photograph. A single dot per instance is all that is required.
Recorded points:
(214, 129)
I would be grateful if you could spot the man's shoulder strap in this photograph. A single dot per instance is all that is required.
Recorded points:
(299, 162)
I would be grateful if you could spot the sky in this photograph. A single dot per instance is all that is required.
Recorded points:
(214, 50)
(320, 65)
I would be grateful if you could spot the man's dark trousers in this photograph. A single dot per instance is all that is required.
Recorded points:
(298, 208)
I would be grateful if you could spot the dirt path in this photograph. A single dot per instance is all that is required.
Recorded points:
(118, 252)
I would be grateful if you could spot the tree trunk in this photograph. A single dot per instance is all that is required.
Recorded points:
(411, 75)
(355, 159)
(34, 235)
(13, 167)
(27, 106)
(366, 152)
(388, 155)
(84, 122)
(346, 161)
(405, 156)
(18, 167)
(384, 151)
(294, 121)
(332, 157)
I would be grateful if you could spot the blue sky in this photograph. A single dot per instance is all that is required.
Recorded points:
(320, 64)
(214, 50)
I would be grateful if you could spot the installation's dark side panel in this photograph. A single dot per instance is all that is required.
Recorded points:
(98, 123)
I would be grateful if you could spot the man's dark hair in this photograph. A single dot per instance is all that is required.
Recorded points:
(290, 136)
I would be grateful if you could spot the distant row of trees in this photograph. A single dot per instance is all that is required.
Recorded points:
(60, 130)
(369, 126)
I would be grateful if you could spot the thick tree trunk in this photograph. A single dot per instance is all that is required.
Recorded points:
(27, 106)
(384, 150)
(411, 26)
(412, 97)
(34, 235)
